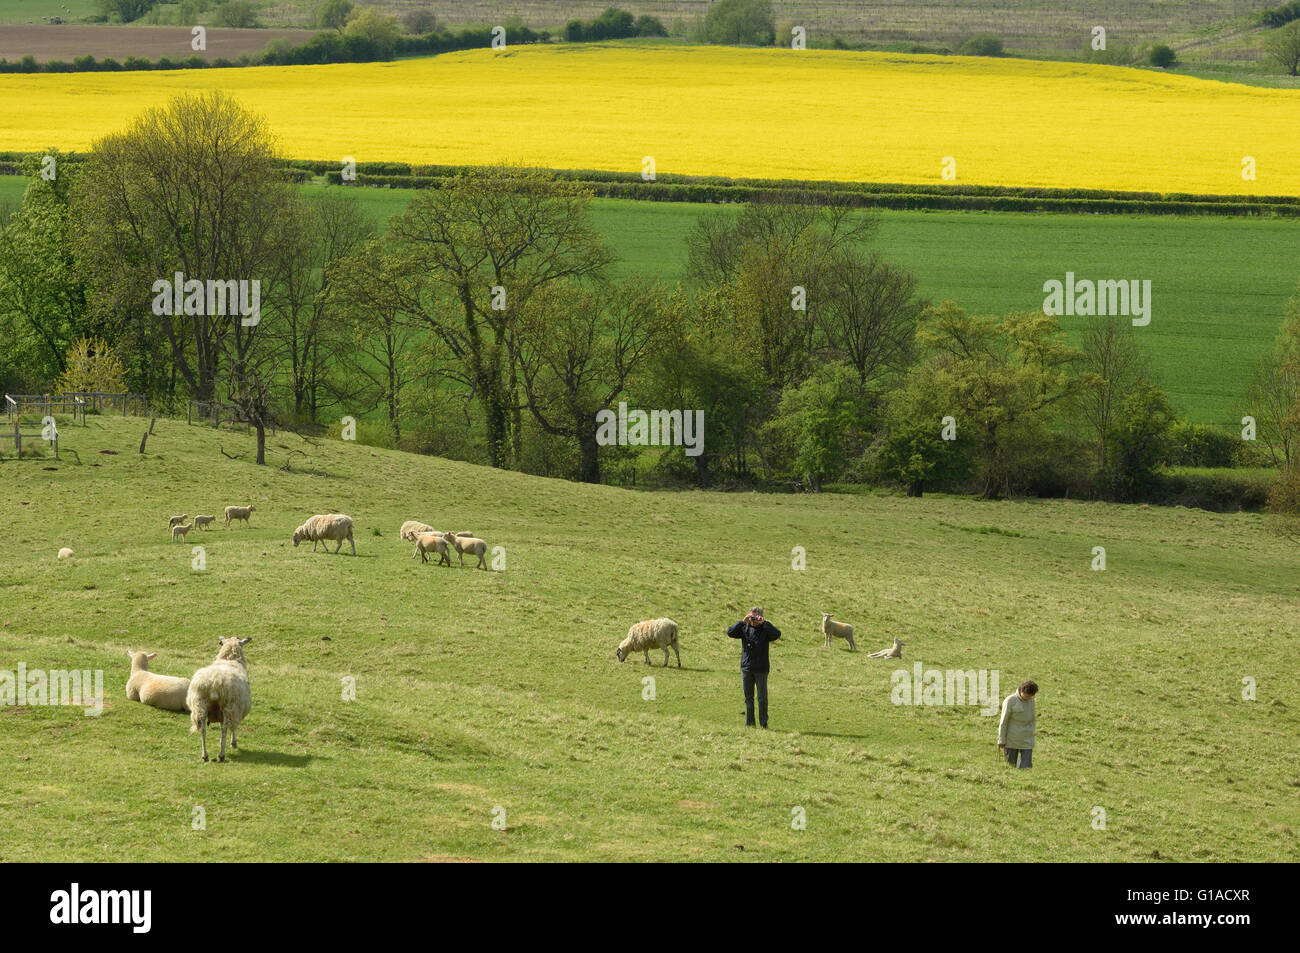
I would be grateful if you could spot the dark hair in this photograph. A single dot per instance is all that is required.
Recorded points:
(1029, 688)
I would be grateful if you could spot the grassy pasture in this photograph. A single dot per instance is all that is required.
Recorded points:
(477, 690)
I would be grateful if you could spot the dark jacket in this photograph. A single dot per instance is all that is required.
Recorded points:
(753, 644)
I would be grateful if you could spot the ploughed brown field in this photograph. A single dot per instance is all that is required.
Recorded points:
(68, 41)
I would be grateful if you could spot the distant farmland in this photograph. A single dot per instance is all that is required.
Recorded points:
(70, 40)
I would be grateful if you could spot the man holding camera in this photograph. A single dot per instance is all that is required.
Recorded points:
(754, 633)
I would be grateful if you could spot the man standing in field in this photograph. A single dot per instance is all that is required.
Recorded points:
(754, 633)
(1016, 729)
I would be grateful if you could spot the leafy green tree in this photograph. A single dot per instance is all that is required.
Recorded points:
(371, 26)
(1139, 442)
(239, 14)
(126, 11)
(1162, 56)
(333, 14)
(821, 425)
(911, 449)
(1283, 47)
(740, 23)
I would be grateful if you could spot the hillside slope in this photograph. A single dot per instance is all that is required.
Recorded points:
(477, 691)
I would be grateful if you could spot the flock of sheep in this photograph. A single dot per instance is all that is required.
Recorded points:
(179, 528)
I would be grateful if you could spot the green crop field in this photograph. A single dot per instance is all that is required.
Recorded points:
(482, 692)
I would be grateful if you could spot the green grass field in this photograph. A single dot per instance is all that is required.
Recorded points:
(477, 691)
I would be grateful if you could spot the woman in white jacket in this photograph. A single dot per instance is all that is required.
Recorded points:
(1016, 729)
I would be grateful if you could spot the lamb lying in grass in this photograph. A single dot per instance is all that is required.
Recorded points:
(221, 692)
(66, 553)
(647, 635)
(323, 527)
(838, 630)
(896, 651)
(157, 691)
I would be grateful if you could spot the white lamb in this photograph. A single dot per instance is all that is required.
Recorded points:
(157, 691)
(324, 527)
(178, 532)
(221, 692)
(202, 521)
(432, 542)
(177, 519)
(894, 651)
(413, 528)
(66, 553)
(650, 634)
(469, 544)
(238, 513)
(838, 630)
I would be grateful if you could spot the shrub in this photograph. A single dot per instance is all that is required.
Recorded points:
(740, 23)
(1200, 445)
(137, 62)
(125, 10)
(84, 64)
(236, 13)
(368, 29)
(647, 25)
(575, 31)
(1280, 16)
(333, 14)
(982, 44)
(1161, 56)
(420, 22)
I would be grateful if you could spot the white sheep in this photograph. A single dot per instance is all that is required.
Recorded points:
(650, 634)
(177, 519)
(838, 630)
(238, 513)
(156, 691)
(221, 692)
(326, 527)
(413, 528)
(469, 544)
(178, 532)
(202, 521)
(432, 542)
(894, 651)
(66, 553)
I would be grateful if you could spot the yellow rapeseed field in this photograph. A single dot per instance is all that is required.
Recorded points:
(708, 110)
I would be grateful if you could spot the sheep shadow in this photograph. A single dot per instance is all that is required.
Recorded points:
(279, 758)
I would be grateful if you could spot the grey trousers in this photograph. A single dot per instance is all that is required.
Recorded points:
(752, 680)
(1026, 756)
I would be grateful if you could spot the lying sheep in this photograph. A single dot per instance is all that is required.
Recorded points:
(156, 691)
(324, 527)
(432, 542)
(66, 553)
(895, 651)
(177, 519)
(178, 532)
(202, 521)
(413, 528)
(469, 544)
(838, 630)
(238, 513)
(221, 692)
(651, 634)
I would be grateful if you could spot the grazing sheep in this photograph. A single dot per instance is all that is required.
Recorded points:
(324, 527)
(896, 651)
(647, 635)
(413, 528)
(238, 513)
(156, 691)
(469, 544)
(202, 521)
(177, 519)
(432, 542)
(220, 692)
(66, 553)
(178, 532)
(839, 630)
